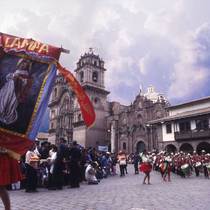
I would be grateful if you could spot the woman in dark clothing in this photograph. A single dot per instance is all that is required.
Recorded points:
(57, 175)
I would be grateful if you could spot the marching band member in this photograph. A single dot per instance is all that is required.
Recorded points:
(196, 163)
(204, 160)
(167, 168)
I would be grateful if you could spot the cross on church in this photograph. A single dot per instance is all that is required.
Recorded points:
(91, 50)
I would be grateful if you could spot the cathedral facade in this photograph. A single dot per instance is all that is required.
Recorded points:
(117, 126)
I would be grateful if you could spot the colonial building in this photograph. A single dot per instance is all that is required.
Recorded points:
(117, 126)
(186, 128)
(127, 125)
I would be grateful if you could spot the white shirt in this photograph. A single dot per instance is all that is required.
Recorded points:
(88, 176)
(29, 154)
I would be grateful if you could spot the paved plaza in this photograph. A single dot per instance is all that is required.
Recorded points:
(127, 193)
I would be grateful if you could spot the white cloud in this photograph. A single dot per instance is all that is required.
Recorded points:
(191, 72)
(147, 41)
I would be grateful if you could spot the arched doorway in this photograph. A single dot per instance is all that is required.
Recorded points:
(203, 146)
(170, 148)
(140, 146)
(124, 146)
(186, 147)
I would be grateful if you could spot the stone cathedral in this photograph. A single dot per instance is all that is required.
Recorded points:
(117, 126)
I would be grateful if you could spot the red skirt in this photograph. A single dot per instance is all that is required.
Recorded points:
(145, 167)
(9, 170)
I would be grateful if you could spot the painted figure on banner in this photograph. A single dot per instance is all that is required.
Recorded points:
(21, 80)
(14, 91)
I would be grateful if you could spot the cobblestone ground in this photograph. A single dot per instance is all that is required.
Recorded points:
(127, 193)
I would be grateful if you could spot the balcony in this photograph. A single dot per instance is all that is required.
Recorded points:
(192, 135)
(201, 134)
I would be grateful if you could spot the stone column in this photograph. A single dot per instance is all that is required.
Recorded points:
(113, 130)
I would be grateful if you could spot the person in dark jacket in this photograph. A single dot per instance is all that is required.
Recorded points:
(74, 165)
(57, 179)
(136, 162)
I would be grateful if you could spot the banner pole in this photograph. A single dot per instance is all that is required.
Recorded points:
(63, 50)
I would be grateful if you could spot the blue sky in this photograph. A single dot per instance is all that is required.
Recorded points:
(143, 42)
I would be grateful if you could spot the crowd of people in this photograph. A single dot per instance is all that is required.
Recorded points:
(180, 163)
(53, 167)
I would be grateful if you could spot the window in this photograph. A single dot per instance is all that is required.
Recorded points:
(79, 117)
(95, 76)
(102, 64)
(139, 116)
(202, 124)
(124, 146)
(81, 76)
(184, 126)
(168, 128)
(96, 100)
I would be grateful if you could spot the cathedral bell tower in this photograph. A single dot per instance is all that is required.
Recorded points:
(90, 73)
(90, 70)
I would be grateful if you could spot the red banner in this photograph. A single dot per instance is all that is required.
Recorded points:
(9, 42)
(86, 106)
